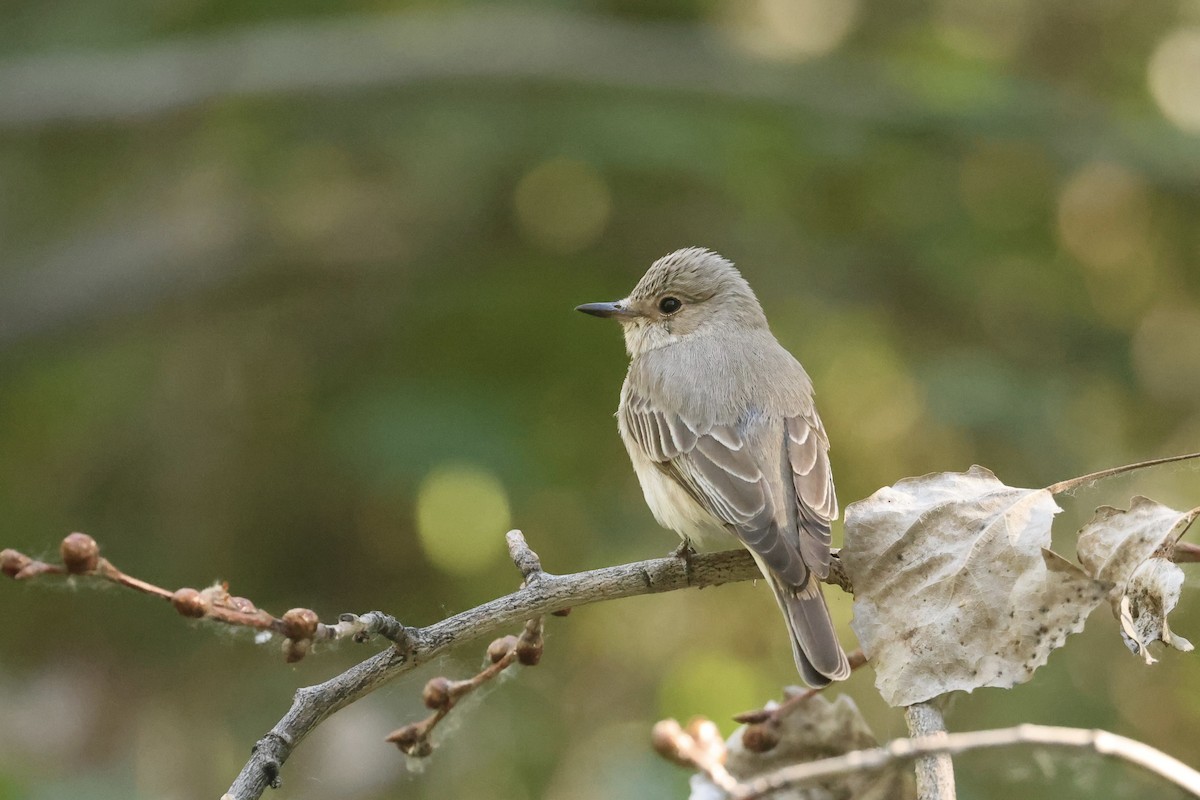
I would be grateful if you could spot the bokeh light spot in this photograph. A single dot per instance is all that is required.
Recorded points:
(1166, 350)
(462, 514)
(562, 205)
(1174, 77)
(789, 30)
(1104, 217)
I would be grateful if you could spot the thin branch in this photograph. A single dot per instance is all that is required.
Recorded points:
(548, 594)
(1186, 553)
(1083, 480)
(1189, 519)
(935, 771)
(526, 560)
(362, 629)
(699, 746)
(442, 694)
(763, 725)
(796, 698)
(1100, 742)
(299, 627)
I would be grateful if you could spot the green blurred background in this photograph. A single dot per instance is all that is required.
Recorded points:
(286, 299)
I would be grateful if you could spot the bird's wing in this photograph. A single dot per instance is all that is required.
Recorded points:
(816, 502)
(714, 464)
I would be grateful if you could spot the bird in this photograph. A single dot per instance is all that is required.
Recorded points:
(721, 427)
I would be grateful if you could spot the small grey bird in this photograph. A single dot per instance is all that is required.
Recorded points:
(720, 425)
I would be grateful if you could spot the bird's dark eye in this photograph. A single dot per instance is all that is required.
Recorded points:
(669, 305)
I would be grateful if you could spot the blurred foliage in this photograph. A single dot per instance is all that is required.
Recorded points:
(263, 306)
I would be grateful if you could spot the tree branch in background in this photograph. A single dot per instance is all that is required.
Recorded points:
(692, 748)
(1100, 742)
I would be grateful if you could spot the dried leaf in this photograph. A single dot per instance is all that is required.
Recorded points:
(1115, 542)
(816, 729)
(1118, 546)
(1152, 594)
(954, 586)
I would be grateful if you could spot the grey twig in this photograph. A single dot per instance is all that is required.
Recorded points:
(526, 560)
(1100, 742)
(548, 594)
(363, 628)
(935, 771)
(441, 694)
(299, 627)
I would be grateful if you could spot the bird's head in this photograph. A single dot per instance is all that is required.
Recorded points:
(689, 292)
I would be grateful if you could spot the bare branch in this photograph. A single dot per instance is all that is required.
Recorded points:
(764, 726)
(442, 694)
(1071, 484)
(1190, 519)
(526, 560)
(363, 628)
(299, 627)
(548, 594)
(935, 771)
(1100, 742)
(699, 746)
(1186, 553)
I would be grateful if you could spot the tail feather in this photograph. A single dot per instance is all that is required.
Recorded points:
(819, 655)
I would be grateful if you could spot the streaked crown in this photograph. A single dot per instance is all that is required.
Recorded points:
(695, 274)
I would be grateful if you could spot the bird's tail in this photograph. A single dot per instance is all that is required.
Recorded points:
(819, 655)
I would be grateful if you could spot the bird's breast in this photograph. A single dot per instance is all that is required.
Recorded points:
(674, 508)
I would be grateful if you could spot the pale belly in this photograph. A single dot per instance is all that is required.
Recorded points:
(674, 508)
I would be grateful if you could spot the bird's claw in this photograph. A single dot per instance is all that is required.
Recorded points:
(684, 552)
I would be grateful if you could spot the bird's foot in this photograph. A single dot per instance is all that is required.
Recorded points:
(685, 551)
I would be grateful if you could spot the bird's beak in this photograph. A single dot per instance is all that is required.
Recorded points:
(619, 310)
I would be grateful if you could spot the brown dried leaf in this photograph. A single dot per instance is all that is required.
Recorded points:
(955, 587)
(1151, 594)
(816, 729)
(1115, 542)
(1118, 546)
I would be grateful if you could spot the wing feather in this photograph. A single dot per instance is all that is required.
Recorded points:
(681, 434)
(808, 452)
(715, 466)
